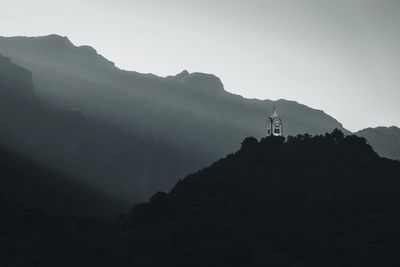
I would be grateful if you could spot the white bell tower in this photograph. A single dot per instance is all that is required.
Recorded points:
(274, 124)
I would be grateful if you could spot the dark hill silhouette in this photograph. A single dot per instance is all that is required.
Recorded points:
(384, 140)
(312, 201)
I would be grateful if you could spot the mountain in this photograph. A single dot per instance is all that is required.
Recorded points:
(385, 140)
(15, 80)
(311, 201)
(190, 108)
(36, 206)
(122, 164)
(25, 124)
(28, 183)
(166, 119)
(184, 107)
(188, 120)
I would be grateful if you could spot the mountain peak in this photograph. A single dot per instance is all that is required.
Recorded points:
(57, 38)
(207, 82)
(182, 74)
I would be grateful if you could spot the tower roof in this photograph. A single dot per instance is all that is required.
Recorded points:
(274, 114)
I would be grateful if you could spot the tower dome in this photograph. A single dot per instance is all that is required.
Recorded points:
(274, 124)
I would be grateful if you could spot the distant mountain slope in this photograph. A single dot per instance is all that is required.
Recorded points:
(385, 140)
(14, 80)
(26, 125)
(312, 201)
(191, 109)
(175, 115)
(120, 163)
(24, 181)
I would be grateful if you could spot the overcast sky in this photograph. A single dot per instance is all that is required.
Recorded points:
(340, 56)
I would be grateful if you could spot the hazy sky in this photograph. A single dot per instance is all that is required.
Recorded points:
(340, 56)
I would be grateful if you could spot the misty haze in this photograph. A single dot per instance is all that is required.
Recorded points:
(180, 133)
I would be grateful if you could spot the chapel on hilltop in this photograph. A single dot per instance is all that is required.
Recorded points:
(274, 124)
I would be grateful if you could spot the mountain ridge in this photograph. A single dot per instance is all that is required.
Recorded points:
(114, 93)
(90, 152)
(182, 76)
(186, 112)
(385, 140)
